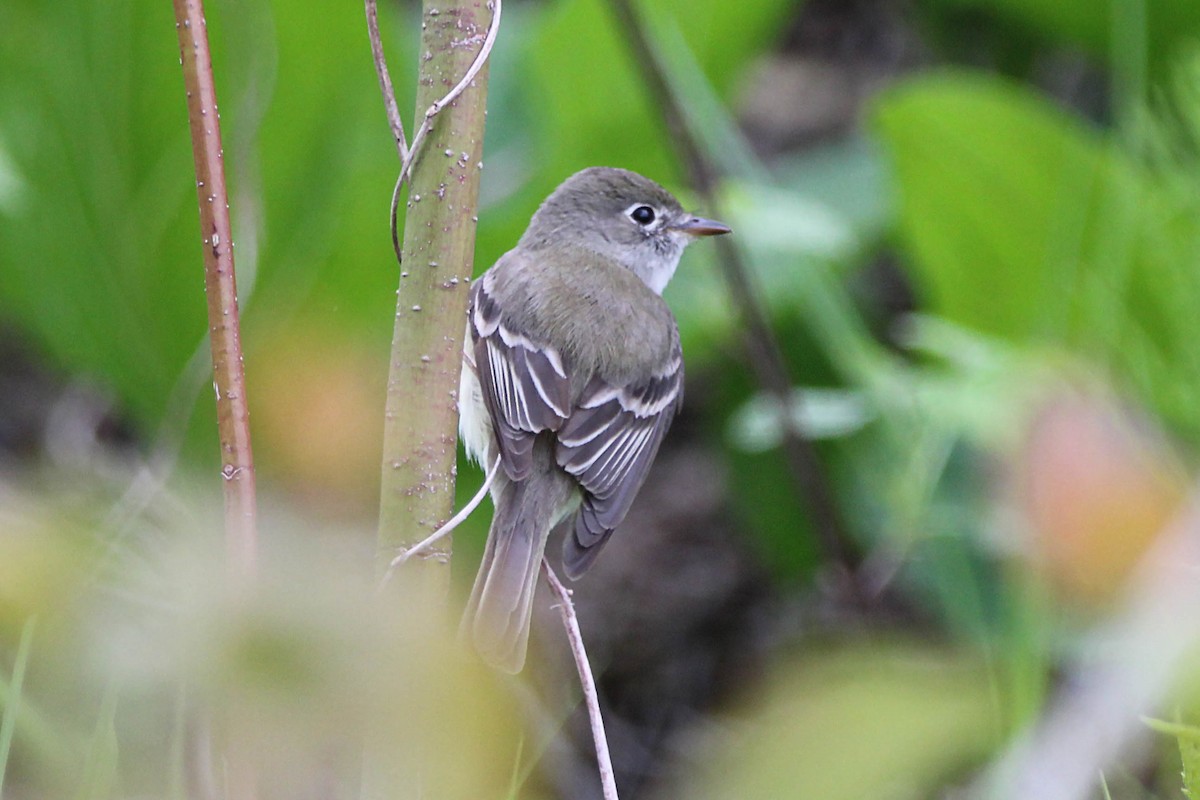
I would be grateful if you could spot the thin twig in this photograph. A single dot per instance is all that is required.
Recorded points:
(385, 81)
(427, 121)
(449, 527)
(566, 608)
(763, 349)
(229, 379)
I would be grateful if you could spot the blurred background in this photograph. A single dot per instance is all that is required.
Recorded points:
(974, 226)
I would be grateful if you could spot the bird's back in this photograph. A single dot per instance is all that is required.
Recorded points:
(641, 329)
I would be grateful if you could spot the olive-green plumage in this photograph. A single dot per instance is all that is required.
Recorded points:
(560, 297)
(572, 373)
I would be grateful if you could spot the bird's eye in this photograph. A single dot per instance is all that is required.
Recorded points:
(642, 215)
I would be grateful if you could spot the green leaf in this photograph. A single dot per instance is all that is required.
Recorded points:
(100, 262)
(990, 181)
(1021, 222)
(87, 264)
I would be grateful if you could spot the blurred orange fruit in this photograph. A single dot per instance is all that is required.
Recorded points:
(317, 419)
(1097, 486)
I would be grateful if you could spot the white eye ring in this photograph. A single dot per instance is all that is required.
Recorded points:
(645, 216)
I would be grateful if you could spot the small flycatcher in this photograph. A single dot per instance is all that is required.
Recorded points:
(572, 373)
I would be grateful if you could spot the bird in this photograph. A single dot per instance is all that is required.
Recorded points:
(572, 373)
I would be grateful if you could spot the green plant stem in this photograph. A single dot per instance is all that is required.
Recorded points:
(436, 258)
(229, 381)
(420, 422)
(12, 708)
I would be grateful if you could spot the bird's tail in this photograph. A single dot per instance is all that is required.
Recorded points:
(498, 613)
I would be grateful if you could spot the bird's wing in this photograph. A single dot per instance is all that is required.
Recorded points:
(608, 443)
(607, 438)
(525, 385)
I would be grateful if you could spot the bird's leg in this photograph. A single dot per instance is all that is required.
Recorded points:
(453, 523)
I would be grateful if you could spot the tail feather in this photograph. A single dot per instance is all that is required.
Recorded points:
(501, 603)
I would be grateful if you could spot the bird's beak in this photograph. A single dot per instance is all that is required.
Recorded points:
(698, 226)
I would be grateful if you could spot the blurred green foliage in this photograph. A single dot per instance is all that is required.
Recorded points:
(1044, 246)
(137, 659)
(1024, 223)
(887, 720)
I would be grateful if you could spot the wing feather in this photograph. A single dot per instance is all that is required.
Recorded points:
(608, 443)
(606, 438)
(524, 384)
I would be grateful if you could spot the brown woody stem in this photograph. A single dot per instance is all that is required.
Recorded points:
(229, 379)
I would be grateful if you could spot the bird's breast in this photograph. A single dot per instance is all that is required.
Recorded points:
(611, 325)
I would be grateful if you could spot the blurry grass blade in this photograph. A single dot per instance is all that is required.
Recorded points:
(1187, 92)
(12, 185)
(100, 765)
(1026, 652)
(591, 115)
(720, 136)
(1189, 752)
(56, 748)
(1188, 737)
(831, 315)
(12, 699)
(1130, 64)
(816, 413)
(518, 774)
